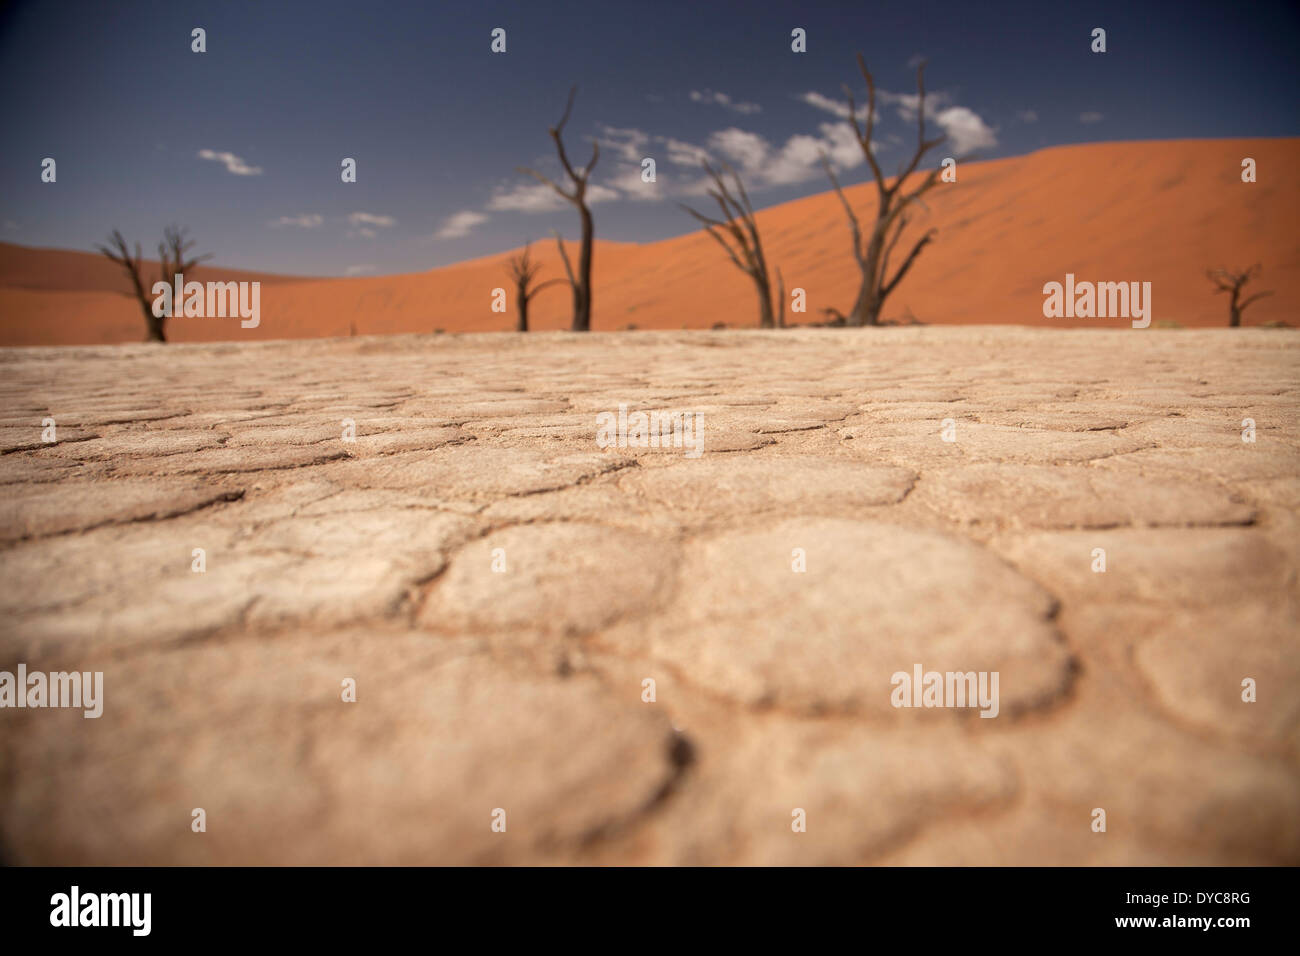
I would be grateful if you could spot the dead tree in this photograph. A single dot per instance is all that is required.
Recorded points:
(1233, 283)
(523, 270)
(120, 253)
(893, 206)
(579, 178)
(171, 260)
(738, 221)
(780, 300)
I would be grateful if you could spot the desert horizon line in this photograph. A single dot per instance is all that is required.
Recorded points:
(686, 232)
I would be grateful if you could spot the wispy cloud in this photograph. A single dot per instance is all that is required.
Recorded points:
(800, 158)
(370, 219)
(711, 98)
(761, 162)
(833, 106)
(797, 160)
(459, 225)
(1091, 117)
(681, 153)
(629, 182)
(965, 129)
(747, 150)
(1027, 116)
(362, 223)
(232, 162)
(629, 144)
(358, 270)
(526, 197)
(539, 197)
(302, 221)
(629, 147)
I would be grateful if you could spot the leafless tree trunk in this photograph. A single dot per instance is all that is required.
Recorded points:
(578, 196)
(523, 270)
(780, 300)
(171, 260)
(1233, 283)
(892, 211)
(738, 220)
(119, 252)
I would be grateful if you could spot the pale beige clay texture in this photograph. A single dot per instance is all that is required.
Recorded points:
(499, 587)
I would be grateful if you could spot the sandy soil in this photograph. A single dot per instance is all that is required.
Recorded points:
(521, 688)
(1158, 212)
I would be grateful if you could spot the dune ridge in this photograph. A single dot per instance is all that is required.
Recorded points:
(1159, 212)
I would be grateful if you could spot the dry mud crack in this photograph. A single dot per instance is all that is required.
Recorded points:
(500, 587)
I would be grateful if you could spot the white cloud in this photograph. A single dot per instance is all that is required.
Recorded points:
(539, 197)
(526, 197)
(631, 146)
(629, 183)
(370, 219)
(302, 220)
(800, 158)
(699, 186)
(682, 153)
(796, 161)
(908, 102)
(1090, 117)
(232, 162)
(1027, 116)
(841, 145)
(358, 270)
(966, 131)
(722, 99)
(749, 150)
(460, 224)
(627, 143)
(835, 107)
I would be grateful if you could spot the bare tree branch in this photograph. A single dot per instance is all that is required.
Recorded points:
(745, 249)
(780, 299)
(1257, 295)
(549, 282)
(907, 263)
(581, 279)
(873, 251)
(523, 271)
(540, 178)
(858, 252)
(564, 257)
(709, 226)
(172, 259)
(1225, 280)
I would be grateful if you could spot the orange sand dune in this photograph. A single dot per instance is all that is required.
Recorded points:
(59, 270)
(1158, 212)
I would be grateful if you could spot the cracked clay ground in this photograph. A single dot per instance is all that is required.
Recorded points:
(522, 690)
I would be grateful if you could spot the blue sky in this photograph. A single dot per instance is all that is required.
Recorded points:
(438, 123)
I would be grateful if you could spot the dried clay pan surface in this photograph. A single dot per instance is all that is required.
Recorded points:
(235, 535)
